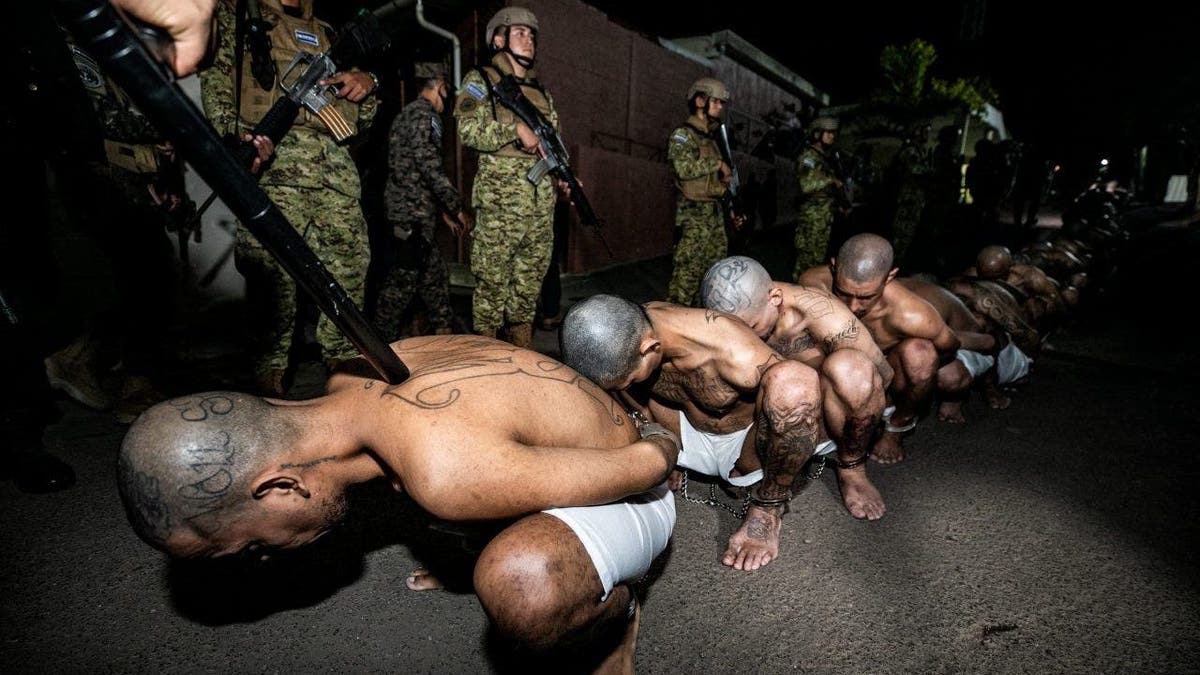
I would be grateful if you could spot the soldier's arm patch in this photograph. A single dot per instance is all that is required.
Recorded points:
(680, 137)
(476, 91)
(466, 104)
(808, 163)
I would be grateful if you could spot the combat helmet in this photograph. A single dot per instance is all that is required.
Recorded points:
(825, 123)
(709, 86)
(511, 16)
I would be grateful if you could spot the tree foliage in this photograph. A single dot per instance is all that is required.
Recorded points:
(910, 85)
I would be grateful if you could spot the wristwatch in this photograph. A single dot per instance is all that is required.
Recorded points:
(374, 81)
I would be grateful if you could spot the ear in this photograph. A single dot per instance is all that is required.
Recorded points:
(891, 275)
(775, 296)
(280, 485)
(649, 344)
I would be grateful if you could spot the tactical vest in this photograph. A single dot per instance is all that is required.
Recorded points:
(708, 188)
(530, 87)
(288, 36)
(119, 150)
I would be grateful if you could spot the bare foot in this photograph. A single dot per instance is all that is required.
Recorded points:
(756, 542)
(675, 480)
(951, 411)
(996, 399)
(621, 658)
(861, 497)
(887, 449)
(421, 580)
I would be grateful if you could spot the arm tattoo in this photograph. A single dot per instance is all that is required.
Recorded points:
(795, 345)
(849, 332)
(814, 305)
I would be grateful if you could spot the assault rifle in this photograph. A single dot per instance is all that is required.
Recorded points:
(731, 200)
(555, 159)
(100, 30)
(302, 88)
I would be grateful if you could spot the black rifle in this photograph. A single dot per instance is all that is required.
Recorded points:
(731, 203)
(302, 88)
(104, 34)
(555, 159)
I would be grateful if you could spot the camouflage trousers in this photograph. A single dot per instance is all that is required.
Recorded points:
(703, 243)
(417, 270)
(333, 226)
(510, 253)
(812, 236)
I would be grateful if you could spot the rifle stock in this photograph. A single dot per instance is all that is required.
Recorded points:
(97, 26)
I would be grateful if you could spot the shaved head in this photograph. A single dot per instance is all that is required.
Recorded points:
(993, 262)
(864, 258)
(186, 464)
(601, 338)
(737, 284)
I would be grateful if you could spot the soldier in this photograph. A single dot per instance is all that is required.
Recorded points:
(823, 194)
(311, 177)
(702, 180)
(416, 196)
(514, 233)
(130, 200)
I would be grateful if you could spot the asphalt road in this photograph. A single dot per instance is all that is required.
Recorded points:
(1056, 536)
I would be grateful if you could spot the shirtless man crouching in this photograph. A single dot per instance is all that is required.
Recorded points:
(481, 430)
(811, 326)
(906, 328)
(744, 413)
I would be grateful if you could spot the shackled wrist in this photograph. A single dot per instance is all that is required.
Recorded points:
(374, 82)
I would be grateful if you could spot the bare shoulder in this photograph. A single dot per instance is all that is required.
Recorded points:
(819, 277)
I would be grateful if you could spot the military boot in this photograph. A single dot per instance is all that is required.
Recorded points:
(521, 335)
(74, 370)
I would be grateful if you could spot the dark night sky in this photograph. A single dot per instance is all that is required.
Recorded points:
(1076, 78)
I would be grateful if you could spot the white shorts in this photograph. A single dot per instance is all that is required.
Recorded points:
(1013, 364)
(716, 454)
(975, 363)
(623, 538)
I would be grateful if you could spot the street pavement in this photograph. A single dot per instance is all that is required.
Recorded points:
(1056, 536)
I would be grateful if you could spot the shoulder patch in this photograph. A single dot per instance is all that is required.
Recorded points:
(305, 37)
(809, 163)
(466, 104)
(679, 137)
(476, 91)
(89, 70)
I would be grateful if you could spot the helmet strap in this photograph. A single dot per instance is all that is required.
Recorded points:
(523, 61)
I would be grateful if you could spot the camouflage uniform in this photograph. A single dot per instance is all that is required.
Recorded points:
(817, 185)
(416, 194)
(131, 227)
(695, 161)
(514, 233)
(313, 180)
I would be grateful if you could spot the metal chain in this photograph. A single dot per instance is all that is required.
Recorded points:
(712, 498)
(815, 469)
